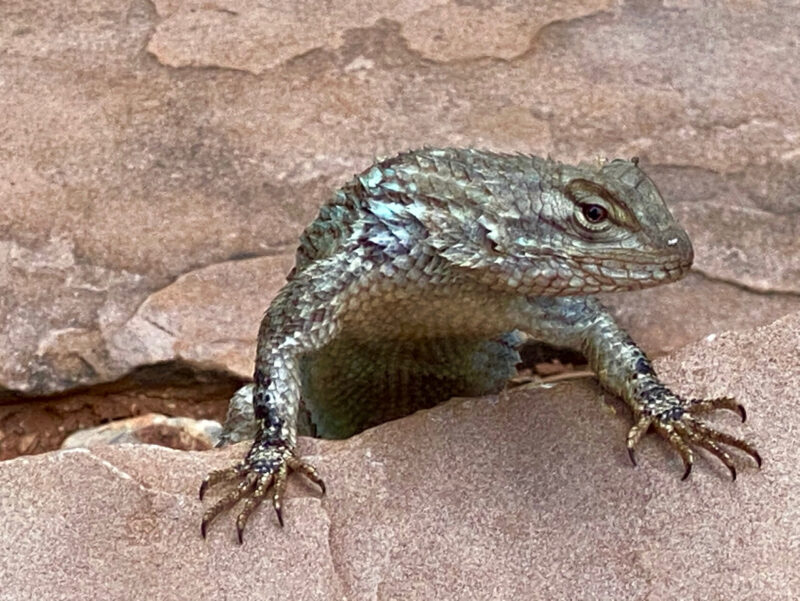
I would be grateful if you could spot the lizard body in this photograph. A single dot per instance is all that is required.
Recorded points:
(418, 276)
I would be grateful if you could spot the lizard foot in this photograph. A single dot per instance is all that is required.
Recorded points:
(265, 466)
(675, 419)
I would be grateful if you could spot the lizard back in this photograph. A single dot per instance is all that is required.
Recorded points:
(431, 169)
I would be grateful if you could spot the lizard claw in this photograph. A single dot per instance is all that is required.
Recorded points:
(265, 467)
(681, 428)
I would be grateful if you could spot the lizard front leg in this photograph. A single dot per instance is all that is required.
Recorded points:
(268, 462)
(301, 319)
(624, 369)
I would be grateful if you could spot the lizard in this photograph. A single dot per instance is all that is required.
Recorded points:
(417, 281)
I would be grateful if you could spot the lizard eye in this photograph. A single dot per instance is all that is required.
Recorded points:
(594, 213)
(595, 208)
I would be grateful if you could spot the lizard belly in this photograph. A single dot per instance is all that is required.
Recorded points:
(401, 346)
(352, 384)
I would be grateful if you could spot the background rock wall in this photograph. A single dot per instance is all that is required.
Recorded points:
(157, 163)
(158, 160)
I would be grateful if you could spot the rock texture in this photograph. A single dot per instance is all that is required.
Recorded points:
(157, 163)
(525, 497)
(158, 160)
(180, 433)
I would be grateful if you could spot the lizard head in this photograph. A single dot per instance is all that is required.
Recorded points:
(534, 225)
(614, 228)
(586, 229)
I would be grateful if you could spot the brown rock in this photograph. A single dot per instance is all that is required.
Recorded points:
(254, 37)
(666, 318)
(121, 524)
(144, 146)
(180, 433)
(208, 316)
(757, 249)
(530, 496)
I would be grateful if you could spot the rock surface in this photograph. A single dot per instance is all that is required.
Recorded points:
(180, 433)
(158, 160)
(157, 163)
(530, 496)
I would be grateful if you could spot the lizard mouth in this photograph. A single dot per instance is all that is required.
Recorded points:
(677, 271)
(665, 273)
(628, 273)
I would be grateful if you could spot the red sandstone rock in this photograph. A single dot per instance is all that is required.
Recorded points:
(529, 497)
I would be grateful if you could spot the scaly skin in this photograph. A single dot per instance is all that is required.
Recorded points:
(414, 281)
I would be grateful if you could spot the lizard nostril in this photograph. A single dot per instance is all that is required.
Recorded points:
(680, 244)
(686, 250)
